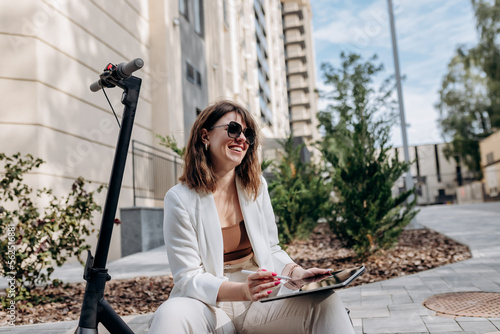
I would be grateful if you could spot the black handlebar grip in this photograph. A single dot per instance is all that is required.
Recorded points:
(124, 70)
(95, 86)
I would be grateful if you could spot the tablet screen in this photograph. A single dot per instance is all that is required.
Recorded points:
(335, 280)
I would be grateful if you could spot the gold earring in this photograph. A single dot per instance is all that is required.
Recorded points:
(206, 147)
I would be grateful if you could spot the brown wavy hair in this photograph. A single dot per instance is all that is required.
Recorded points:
(198, 167)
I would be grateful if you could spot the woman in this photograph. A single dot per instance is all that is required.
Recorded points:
(219, 221)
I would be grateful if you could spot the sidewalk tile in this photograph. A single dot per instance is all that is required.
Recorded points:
(421, 311)
(371, 312)
(420, 297)
(441, 325)
(401, 298)
(481, 325)
(404, 325)
(496, 322)
(376, 300)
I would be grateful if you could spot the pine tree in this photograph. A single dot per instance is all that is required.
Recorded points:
(356, 124)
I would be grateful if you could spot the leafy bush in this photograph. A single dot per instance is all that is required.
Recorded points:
(32, 240)
(171, 143)
(299, 195)
(357, 126)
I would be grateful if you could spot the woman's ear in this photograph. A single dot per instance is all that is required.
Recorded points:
(205, 137)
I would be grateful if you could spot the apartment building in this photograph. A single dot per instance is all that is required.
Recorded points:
(194, 52)
(300, 68)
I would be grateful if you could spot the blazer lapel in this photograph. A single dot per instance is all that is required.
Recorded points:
(211, 243)
(254, 226)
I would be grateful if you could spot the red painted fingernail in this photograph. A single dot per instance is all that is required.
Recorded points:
(269, 291)
(264, 270)
(274, 274)
(276, 283)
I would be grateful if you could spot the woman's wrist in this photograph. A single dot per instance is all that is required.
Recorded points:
(294, 270)
(233, 291)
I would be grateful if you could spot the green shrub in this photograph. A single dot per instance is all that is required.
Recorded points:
(366, 216)
(299, 195)
(34, 240)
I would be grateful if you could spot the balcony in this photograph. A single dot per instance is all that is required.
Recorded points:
(302, 130)
(299, 98)
(292, 22)
(294, 37)
(298, 83)
(292, 8)
(294, 68)
(301, 115)
(295, 54)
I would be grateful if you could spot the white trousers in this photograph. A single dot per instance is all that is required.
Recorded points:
(317, 313)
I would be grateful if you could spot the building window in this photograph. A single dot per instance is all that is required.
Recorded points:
(193, 75)
(489, 158)
(198, 78)
(190, 72)
(183, 8)
(198, 16)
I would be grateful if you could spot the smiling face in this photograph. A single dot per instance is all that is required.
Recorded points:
(226, 153)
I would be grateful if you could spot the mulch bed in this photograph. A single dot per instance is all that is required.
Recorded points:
(417, 250)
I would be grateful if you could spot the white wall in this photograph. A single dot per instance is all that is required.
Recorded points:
(52, 50)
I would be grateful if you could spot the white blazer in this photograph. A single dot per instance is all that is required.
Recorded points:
(193, 239)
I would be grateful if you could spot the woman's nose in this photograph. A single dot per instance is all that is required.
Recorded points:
(241, 137)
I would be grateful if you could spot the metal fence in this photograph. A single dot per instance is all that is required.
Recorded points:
(154, 171)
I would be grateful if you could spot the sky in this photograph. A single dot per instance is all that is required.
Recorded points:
(428, 33)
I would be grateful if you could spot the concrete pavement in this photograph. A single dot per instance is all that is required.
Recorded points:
(395, 305)
(392, 306)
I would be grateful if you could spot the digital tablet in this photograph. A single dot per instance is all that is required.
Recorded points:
(334, 280)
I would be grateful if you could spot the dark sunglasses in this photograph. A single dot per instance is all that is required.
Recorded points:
(234, 130)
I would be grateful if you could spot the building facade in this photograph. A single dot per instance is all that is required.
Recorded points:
(435, 177)
(490, 163)
(194, 51)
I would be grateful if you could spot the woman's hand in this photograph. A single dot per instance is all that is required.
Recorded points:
(315, 272)
(301, 276)
(259, 285)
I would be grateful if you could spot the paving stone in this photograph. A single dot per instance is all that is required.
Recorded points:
(441, 325)
(52, 328)
(395, 290)
(401, 298)
(407, 306)
(420, 311)
(372, 312)
(401, 325)
(420, 297)
(495, 322)
(481, 325)
(376, 300)
(358, 330)
(406, 281)
(366, 293)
